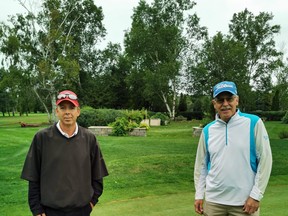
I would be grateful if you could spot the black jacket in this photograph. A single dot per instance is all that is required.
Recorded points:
(63, 173)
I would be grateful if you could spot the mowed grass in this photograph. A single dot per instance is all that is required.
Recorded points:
(150, 175)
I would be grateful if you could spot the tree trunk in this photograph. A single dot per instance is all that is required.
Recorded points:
(44, 105)
(53, 114)
(174, 101)
(167, 105)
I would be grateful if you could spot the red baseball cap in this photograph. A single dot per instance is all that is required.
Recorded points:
(67, 95)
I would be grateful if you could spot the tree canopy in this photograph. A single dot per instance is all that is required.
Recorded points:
(167, 55)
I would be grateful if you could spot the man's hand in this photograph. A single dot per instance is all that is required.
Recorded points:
(198, 204)
(251, 205)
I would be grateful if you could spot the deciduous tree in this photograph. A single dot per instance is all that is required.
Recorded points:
(53, 46)
(155, 45)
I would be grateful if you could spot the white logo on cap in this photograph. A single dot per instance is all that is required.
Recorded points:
(223, 86)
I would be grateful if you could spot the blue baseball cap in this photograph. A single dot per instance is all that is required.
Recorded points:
(225, 86)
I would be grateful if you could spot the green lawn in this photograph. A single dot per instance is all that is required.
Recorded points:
(150, 175)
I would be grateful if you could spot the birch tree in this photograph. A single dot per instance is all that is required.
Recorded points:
(155, 46)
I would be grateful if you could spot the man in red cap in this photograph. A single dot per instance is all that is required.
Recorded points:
(64, 165)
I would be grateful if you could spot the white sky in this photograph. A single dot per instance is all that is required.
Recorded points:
(214, 14)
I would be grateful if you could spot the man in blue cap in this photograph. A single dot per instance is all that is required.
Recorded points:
(233, 161)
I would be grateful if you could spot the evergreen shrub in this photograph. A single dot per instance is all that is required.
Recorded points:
(87, 118)
(107, 116)
(269, 115)
(180, 118)
(130, 120)
(120, 126)
(136, 115)
(132, 125)
(98, 117)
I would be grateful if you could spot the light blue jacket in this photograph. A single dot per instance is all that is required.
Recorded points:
(238, 162)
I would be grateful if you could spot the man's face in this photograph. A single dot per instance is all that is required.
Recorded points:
(67, 113)
(225, 104)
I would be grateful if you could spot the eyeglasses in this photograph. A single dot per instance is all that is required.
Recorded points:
(221, 100)
(71, 96)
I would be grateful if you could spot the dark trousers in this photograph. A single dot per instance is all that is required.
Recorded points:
(84, 211)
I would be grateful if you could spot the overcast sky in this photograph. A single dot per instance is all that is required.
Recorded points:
(214, 14)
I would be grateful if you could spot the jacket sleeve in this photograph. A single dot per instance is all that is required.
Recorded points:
(31, 167)
(200, 168)
(34, 198)
(264, 157)
(98, 189)
(99, 170)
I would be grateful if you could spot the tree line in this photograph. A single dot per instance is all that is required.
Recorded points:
(168, 62)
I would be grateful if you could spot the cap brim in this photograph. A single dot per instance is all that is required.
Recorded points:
(233, 93)
(74, 102)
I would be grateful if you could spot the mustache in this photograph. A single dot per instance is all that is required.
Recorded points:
(226, 108)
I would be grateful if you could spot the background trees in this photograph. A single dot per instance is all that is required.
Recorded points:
(49, 50)
(156, 46)
(247, 55)
(167, 53)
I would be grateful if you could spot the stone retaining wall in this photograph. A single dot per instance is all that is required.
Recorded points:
(138, 132)
(101, 130)
(106, 130)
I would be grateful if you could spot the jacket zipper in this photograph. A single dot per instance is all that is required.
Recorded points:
(226, 134)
